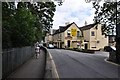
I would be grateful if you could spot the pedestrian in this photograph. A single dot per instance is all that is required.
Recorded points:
(40, 48)
(36, 44)
(37, 51)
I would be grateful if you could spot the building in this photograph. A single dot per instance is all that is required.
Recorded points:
(48, 39)
(68, 36)
(71, 36)
(93, 37)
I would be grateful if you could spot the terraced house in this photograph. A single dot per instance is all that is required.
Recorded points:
(93, 37)
(87, 37)
(68, 36)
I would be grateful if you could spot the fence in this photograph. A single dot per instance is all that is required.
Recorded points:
(13, 58)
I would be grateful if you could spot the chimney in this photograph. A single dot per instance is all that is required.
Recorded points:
(85, 23)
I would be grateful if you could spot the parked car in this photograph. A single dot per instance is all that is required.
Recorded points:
(50, 46)
(107, 49)
(112, 54)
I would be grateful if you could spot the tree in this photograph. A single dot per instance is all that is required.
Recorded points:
(23, 32)
(24, 25)
(7, 18)
(109, 15)
(44, 12)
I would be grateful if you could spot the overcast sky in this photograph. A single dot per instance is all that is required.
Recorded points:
(77, 11)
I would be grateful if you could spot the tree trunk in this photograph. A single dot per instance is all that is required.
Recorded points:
(118, 43)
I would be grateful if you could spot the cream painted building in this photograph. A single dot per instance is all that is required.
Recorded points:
(68, 36)
(93, 37)
(48, 39)
(71, 36)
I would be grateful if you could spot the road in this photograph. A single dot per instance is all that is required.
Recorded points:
(72, 64)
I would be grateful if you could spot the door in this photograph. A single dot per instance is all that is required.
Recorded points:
(68, 43)
(86, 46)
(60, 44)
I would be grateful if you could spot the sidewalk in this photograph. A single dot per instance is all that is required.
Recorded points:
(34, 68)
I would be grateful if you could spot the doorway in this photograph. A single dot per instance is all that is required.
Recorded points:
(68, 43)
(86, 46)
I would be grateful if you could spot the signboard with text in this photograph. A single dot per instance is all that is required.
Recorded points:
(73, 32)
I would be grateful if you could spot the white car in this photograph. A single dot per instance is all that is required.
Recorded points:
(50, 46)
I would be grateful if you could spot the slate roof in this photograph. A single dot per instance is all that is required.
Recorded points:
(63, 28)
(87, 27)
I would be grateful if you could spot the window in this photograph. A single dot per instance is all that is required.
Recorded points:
(98, 41)
(68, 33)
(93, 47)
(60, 35)
(78, 33)
(92, 33)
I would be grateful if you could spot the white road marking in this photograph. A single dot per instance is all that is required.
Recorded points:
(110, 62)
(54, 66)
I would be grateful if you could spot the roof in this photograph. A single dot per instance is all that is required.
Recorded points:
(54, 30)
(63, 28)
(87, 27)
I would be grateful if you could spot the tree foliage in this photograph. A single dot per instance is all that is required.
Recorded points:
(24, 25)
(107, 14)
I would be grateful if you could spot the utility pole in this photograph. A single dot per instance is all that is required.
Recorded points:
(0, 40)
(118, 43)
(117, 39)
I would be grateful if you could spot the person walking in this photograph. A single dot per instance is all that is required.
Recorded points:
(37, 50)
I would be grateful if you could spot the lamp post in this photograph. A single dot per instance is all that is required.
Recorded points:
(0, 40)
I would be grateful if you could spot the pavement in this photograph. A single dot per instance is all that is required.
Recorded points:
(32, 69)
(72, 64)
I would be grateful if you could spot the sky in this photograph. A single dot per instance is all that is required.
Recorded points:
(77, 11)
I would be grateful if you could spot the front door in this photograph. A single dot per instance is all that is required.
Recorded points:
(86, 46)
(68, 43)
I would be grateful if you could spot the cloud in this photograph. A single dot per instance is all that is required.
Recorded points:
(77, 11)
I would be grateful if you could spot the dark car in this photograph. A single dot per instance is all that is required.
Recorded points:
(112, 52)
(107, 49)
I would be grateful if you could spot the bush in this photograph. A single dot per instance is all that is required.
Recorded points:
(88, 51)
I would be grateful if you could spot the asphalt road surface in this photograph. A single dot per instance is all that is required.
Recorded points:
(72, 64)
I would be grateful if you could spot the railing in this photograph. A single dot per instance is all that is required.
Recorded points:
(13, 58)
